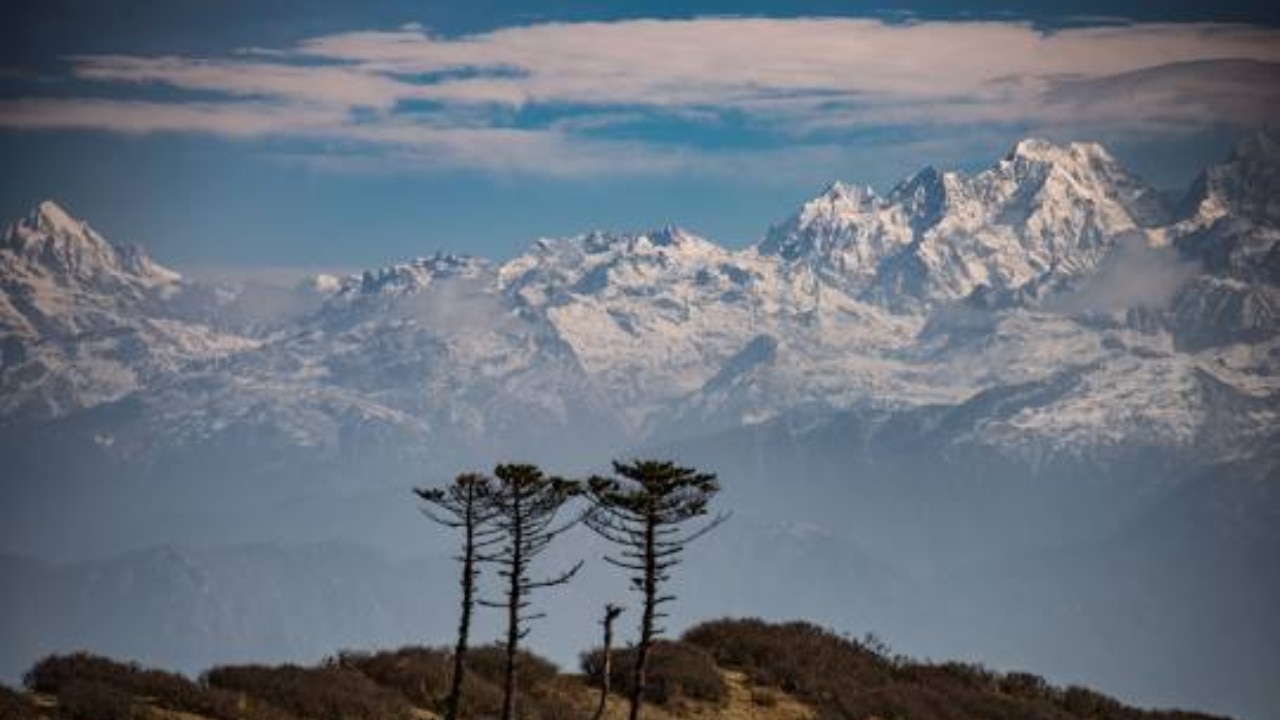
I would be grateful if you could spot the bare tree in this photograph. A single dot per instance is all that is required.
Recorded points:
(527, 504)
(611, 613)
(464, 505)
(645, 512)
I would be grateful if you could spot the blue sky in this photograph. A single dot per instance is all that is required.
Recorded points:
(326, 134)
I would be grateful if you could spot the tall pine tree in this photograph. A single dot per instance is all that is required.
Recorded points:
(646, 511)
(464, 505)
(527, 505)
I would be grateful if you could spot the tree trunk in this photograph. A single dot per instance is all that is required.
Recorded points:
(464, 624)
(509, 686)
(646, 620)
(513, 614)
(607, 663)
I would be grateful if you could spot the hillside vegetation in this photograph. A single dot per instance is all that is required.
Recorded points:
(722, 670)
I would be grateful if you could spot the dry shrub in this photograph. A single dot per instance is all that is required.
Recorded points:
(536, 681)
(490, 662)
(676, 670)
(328, 692)
(791, 656)
(56, 671)
(1028, 686)
(843, 678)
(93, 700)
(421, 675)
(166, 690)
(480, 698)
(1089, 703)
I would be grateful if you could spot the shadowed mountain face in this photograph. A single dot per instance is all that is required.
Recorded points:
(1026, 416)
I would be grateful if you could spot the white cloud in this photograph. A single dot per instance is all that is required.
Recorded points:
(237, 120)
(455, 102)
(341, 86)
(721, 62)
(1132, 275)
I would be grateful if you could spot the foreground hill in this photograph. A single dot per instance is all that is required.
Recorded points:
(727, 670)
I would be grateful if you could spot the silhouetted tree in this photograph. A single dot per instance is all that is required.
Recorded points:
(466, 505)
(526, 506)
(645, 512)
(611, 613)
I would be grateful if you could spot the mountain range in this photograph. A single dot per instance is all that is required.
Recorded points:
(1033, 403)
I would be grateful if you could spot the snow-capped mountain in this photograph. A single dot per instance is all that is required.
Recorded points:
(435, 341)
(83, 321)
(856, 300)
(1231, 225)
(1044, 213)
(657, 317)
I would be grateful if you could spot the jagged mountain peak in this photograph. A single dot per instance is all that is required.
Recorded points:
(1044, 213)
(444, 264)
(840, 192)
(600, 241)
(673, 236)
(927, 176)
(1043, 208)
(49, 216)
(1038, 171)
(48, 221)
(404, 278)
(923, 196)
(846, 226)
(1246, 185)
(1037, 168)
(1041, 150)
(592, 261)
(839, 203)
(85, 321)
(50, 241)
